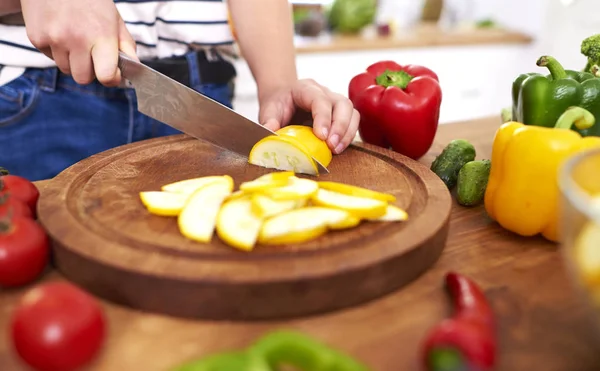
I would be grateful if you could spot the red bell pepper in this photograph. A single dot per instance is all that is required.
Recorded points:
(399, 106)
(467, 340)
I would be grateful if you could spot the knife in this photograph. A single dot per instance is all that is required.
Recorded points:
(192, 113)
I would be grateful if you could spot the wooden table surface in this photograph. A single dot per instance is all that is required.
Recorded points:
(542, 324)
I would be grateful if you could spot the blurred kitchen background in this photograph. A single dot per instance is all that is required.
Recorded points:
(477, 47)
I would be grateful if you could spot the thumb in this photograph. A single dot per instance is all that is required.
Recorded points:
(271, 116)
(126, 42)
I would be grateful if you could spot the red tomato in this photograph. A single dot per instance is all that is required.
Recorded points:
(24, 251)
(21, 189)
(57, 327)
(10, 206)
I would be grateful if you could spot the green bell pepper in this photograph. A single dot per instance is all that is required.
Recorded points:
(275, 350)
(227, 361)
(540, 100)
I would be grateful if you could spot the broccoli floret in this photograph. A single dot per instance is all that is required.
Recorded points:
(590, 48)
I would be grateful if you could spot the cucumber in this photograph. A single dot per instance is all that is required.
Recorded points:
(472, 182)
(447, 165)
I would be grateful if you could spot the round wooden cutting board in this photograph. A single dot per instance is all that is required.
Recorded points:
(106, 241)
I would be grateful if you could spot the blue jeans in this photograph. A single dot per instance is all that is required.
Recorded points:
(48, 122)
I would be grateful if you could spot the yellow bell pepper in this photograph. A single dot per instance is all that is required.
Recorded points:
(522, 194)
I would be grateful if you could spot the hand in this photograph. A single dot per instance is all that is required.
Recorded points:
(82, 36)
(334, 117)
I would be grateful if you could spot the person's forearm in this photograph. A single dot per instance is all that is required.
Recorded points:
(9, 7)
(265, 35)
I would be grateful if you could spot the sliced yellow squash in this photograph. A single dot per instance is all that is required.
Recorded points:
(189, 186)
(198, 218)
(300, 225)
(360, 207)
(163, 203)
(351, 190)
(237, 225)
(392, 214)
(297, 189)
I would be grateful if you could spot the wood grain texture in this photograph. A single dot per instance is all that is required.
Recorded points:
(105, 240)
(542, 324)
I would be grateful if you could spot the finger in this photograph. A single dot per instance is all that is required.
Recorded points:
(311, 98)
(126, 42)
(272, 125)
(350, 133)
(61, 58)
(271, 116)
(47, 52)
(342, 114)
(82, 68)
(105, 56)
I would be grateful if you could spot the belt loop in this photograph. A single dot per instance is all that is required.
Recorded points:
(194, 69)
(49, 79)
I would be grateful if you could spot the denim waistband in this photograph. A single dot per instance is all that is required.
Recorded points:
(49, 79)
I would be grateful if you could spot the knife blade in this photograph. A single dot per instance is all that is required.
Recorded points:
(192, 113)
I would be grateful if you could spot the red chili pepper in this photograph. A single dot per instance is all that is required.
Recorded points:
(465, 342)
(399, 106)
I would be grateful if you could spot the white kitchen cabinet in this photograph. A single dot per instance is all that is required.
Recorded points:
(476, 80)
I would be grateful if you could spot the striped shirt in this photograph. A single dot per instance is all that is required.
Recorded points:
(160, 28)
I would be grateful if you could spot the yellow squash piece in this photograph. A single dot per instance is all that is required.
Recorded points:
(265, 207)
(360, 207)
(236, 194)
(392, 214)
(348, 223)
(163, 203)
(189, 186)
(283, 153)
(351, 190)
(304, 134)
(198, 218)
(237, 225)
(301, 225)
(278, 179)
(297, 189)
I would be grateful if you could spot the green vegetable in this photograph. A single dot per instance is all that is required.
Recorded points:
(350, 16)
(275, 350)
(447, 165)
(227, 361)
(540, 100)
(3, 171)
(506, 114)
(590, 48)
(472, 182)
(302, 352)
(447, 359)
(485, 23)
(300, 14)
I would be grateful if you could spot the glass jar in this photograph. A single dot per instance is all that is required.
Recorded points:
(579, 183)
